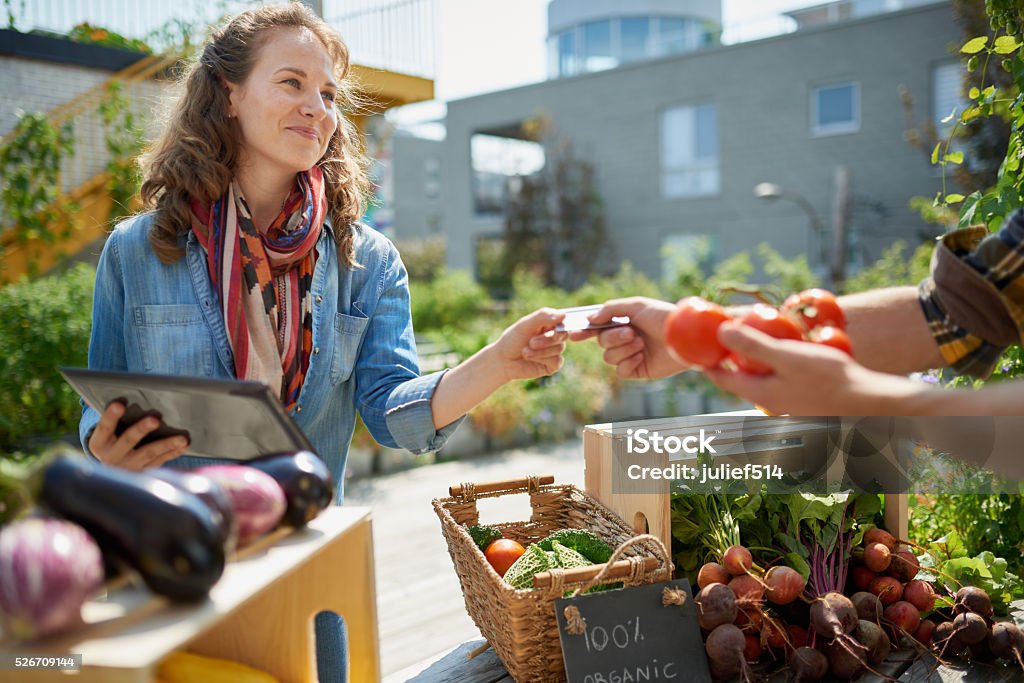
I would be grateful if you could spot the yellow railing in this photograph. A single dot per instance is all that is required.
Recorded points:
(83, 177)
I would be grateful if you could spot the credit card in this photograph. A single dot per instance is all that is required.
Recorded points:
(576, 319)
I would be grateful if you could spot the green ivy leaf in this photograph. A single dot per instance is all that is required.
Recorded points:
(988, 92)
(954, 157)
(1004, 45)
(973, 93)
(974, 45)
(954, 198)
(935, 152)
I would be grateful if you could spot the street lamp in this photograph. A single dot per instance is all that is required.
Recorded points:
(772, 191)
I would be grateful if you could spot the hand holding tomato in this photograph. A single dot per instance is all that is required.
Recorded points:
(805, 379)
(691, 331)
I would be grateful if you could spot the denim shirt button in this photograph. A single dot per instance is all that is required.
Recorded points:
(316, 350)
(298, 409)
(319, 299)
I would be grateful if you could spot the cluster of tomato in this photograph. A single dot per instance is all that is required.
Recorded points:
(813, 315)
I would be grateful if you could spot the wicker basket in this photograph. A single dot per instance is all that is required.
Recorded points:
(520, 624)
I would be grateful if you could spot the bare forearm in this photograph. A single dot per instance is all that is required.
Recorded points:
(889, 331)
(464, 386)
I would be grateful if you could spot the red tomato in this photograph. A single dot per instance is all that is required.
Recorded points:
(502, 554)
(773, 323)
(816, 308)
(692, 332)
(834, 337)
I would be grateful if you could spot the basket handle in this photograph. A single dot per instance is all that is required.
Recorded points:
(579, 574)
(468, 489)
(633, 567)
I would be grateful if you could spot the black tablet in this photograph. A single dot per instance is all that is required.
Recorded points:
(221, 418)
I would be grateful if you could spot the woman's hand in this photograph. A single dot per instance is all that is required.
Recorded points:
(530, 347)
(638, 350)
(122, 451)
(807, 379)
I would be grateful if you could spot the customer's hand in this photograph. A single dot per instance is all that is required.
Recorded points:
(530, 347)
(122, 451)
(637, 350)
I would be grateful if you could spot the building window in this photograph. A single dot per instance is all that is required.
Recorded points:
(498, 163)
(947, 96)
(597, 46)
(689, 152)
(567, 63)
(634, 38)
(835, 109)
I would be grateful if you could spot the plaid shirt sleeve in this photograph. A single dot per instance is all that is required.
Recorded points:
(974, 298)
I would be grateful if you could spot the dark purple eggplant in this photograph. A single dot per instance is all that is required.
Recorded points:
(168, 535)
(307, 483)
(211, 493)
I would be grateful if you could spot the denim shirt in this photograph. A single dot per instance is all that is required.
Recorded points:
(156, 318)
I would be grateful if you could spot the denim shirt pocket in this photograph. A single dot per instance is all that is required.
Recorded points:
(174, 340)
(349, 331)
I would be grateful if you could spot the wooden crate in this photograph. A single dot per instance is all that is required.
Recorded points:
(739, 437)
(260, 613)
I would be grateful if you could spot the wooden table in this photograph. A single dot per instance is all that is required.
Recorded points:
(260, 613)
(902, 665)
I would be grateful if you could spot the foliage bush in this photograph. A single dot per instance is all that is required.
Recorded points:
(44, 324)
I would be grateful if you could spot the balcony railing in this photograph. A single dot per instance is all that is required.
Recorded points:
(394, 35)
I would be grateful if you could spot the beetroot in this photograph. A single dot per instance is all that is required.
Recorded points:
(716, 605)
(833, 615)
(808, 664)
(925, 633)
(970, 628)
(48, 569)
(737, 560)
(903, 616)
(725, 647)
(973, 599)
(747, 589)
(871, 636)
(920, 594)
(257, 499)
(1007, 642)
(868, 606)
(752, 650)
(843, 663)
(783, 585)
(946, 641)
(904, 565)
(712, 572)
(887, 588)
(861, 577)
(877, 557)
(882, 536)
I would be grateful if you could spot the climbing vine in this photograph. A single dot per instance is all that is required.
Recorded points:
(124, 140)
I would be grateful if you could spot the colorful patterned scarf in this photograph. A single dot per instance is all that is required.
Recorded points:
(264, 281)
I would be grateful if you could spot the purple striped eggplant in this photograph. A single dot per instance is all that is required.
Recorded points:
(48, 569)
(211, 493)
(257, 500)
(307, 483)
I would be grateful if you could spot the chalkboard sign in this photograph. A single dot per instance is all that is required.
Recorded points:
(631, 635)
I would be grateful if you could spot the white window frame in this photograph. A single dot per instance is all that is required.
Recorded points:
(842, 127)
(694, 165)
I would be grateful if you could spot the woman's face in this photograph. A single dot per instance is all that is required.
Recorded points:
(286, 106)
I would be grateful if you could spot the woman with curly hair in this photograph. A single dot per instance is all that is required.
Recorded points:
(250, 261)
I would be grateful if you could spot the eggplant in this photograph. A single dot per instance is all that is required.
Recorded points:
(211, 493)
(257, 500)
(307, 483)
(48, 569)
(166, 534)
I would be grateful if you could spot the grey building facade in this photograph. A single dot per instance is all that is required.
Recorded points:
(680, 142)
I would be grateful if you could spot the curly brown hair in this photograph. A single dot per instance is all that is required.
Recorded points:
(196, 154)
